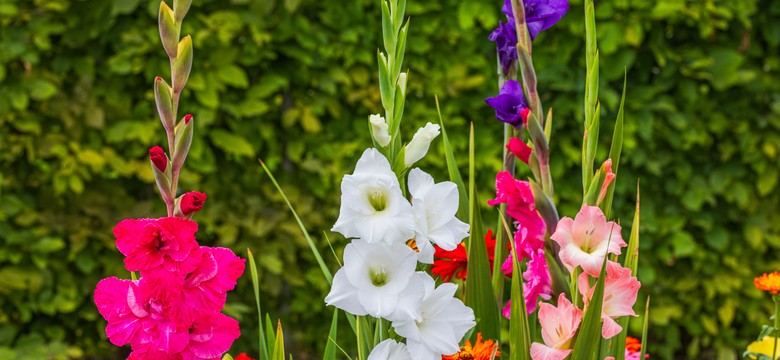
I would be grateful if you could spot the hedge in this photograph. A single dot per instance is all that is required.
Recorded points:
(292, 82)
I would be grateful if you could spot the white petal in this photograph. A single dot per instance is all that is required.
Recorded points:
(372, 161)
(410, 300)
(420, 351)
(389, 350)
(344, 296)
(426, 251)
(377, 301)
(420, 183)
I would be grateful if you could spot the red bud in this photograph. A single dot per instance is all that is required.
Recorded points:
(187, 118)
(524, 114)
(519, 149)
(158, 158)
(192, 202)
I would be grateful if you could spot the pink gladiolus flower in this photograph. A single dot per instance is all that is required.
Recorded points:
(587, 239)
(559, 325)
(151, 243)
(620, 291)
(608, 178)
(519, 200)
(537, 281)
(205, 289)
(210, 336)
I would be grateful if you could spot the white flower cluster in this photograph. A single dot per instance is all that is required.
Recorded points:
(390, 235)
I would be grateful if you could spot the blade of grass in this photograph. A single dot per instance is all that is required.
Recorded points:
(519, 332)
(312, 246)
(330, 347)
(616, 149)
(256, 287)
(452, 168)
(479, 289)
(269, 334)
(279, 345)
(644, 328)
(588, 336)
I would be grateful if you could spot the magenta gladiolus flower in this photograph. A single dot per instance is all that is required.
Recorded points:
(587, 239)
(620, 291)
(520, 205)
(151, 243)
(559, 325)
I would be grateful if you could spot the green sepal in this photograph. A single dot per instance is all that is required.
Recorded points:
(180, 8)
(182, 65)
(164, 101)
(183, 141)
(169, 30)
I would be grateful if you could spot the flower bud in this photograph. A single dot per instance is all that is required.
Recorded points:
(180, 8)
(421, 141)
(520, 149)
(158, 158)
(402, 83)
(183, 141)
(169, 31)
(183, 64)
(608, 178)
(379, 129)
(159, 166)
(162, 96)
(192, 202)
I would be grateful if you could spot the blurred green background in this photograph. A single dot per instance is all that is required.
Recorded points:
(293, 82)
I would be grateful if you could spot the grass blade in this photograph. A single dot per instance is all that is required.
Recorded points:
(519, 333)
(325, 271)
(644, 328)
(452, 168)
(261, 343)
(330, 347)
(479, 289)
(269, 334)
(589, 335)
(616, 149)
(279, 345)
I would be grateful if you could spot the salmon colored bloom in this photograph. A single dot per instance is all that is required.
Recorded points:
(768, 282)
(482, 350)
(620, 291)
(587, 239)
(559, 325)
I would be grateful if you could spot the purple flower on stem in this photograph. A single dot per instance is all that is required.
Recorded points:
(510, 104)
(540, 15)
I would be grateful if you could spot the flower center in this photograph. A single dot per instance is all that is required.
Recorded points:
(377, 200)
(379, 277)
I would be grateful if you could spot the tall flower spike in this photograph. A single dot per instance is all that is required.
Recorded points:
(372, 205)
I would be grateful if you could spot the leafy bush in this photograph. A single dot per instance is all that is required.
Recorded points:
(293, 82)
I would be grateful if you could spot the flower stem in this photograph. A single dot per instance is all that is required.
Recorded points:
(776, 299)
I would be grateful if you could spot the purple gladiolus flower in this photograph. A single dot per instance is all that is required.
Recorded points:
(540, 15)
(510, 104)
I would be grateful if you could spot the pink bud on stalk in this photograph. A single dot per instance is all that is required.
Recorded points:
(159, 166)
(607, 180)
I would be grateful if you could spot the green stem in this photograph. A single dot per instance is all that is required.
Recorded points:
(776, 298)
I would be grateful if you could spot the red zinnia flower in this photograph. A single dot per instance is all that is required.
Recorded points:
(455, 262)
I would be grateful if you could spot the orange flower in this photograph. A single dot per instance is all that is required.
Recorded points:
(768, 282)
(633, 344)
(482, 350)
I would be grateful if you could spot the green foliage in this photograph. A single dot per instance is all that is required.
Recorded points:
(292, 82)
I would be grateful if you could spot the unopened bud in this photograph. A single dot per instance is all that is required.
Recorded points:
(608, 178)
(158, 158)
(379, 129)
(520, 149)
(182, 65)
(524, 115)
(402, 83)
(162, 97)
(169, 31)
(192, 202)
(183, 141)
(180, 8)
(421, 141)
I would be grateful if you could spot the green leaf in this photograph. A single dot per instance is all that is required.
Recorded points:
(231, 143)
(616, 149)
(452, 168)
(589, 335)
(233, 75)
(479, 289)
(330, 346)
(519, 331)
(279, 345)
(40, 89)
(256, 287)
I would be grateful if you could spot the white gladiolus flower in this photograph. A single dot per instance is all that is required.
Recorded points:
(379, 129)
(372, 205)
(421, 141)
(445, 320)
(374, 279)
(389, 350)
(434, 207)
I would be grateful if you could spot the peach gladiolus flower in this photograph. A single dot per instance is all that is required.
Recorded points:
(620, 291)
(587, 239)
(559, 325)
